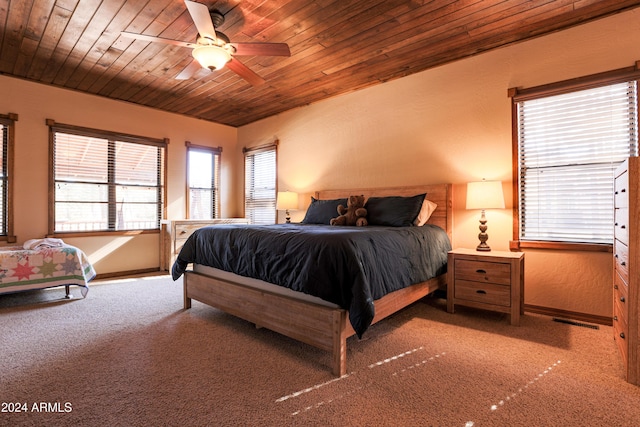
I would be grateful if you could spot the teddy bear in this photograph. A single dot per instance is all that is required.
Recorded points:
(353, 214)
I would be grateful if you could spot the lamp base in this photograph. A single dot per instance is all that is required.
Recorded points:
(483, 247)
(483, 236)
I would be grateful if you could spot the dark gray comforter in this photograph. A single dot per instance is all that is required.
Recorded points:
(348, 266)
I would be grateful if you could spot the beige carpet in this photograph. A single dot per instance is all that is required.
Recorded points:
(128, 355)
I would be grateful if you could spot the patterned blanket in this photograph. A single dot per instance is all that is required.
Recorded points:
(43, 267)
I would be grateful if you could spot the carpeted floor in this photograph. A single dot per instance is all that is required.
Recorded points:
(128, 355)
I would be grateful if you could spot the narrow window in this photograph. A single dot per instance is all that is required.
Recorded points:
(104, 181)
(203, 180)
(260, 184)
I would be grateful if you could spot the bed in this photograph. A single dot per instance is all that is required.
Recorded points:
(324, 321)
(43, 266)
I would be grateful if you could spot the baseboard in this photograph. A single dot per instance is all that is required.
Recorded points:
(583, 317)
(123, 274)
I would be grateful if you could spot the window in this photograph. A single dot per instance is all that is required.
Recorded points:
(104, 181)
(203, 179)
(7, 125)
(260, 184)
(569, 143)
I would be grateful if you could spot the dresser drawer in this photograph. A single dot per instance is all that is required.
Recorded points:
(621, 224)
(483, 271)
(621, 296)
(621, 337)
(621, 259)
(621, 190)
(486, 293)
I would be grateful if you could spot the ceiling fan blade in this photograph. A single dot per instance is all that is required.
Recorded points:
(157, 39)
(189, 70)
(201, 17)
(262, 49)
(243, 71)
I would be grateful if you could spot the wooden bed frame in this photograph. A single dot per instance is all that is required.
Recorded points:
(320, 326)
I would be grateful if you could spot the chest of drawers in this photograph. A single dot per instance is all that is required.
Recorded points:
(626, 258)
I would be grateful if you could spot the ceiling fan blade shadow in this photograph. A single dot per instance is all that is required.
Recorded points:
(243, 71)
(201, 17)
(189, 70)
(157, 39)
(261, 49)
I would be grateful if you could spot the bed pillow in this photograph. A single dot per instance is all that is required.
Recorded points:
(425, 212)
(321, 211)
(394, 211)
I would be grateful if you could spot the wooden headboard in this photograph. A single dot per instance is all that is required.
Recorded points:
(441, 194)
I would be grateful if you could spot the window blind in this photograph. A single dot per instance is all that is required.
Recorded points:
(569, 147)
(106, 184)
(260, 186)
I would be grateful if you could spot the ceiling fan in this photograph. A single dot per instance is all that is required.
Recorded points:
(213, 49)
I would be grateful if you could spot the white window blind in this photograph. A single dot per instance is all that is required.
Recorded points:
(260, 186)
(569, 146)
(204, 179)
(106, 184)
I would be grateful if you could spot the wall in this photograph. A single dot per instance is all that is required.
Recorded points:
(453, 124)
(34, 103)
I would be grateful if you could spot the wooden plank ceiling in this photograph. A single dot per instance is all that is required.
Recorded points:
(337, 46)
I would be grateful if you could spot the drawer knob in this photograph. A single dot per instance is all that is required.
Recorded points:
(615, 286)
(615, 318)
(621, 299)
(623, 226)
(183, 232)
(482, 292)
(623, 263)
(481, 271)
(622, 335)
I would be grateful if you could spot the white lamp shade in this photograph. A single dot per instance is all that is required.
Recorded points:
(485, 195)
(212, 57)
(287, 200)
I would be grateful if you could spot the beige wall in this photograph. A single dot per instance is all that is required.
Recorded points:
(452, 124)
(34, 103)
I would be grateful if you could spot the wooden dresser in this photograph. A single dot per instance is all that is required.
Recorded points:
(626, 274)
(176, 231)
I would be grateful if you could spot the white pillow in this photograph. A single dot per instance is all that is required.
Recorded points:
(425, 212)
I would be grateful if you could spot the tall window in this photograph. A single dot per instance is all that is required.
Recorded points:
(260, 184)
(569, 143)
(104, 181)
(7, 125)
(203, 169)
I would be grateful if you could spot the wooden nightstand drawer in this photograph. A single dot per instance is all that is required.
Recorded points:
(483, 271)
(486, 293)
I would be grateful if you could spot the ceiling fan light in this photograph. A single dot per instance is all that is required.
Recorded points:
(211, 57)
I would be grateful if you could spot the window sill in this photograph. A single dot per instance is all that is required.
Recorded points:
(61, 234)
(516, 245)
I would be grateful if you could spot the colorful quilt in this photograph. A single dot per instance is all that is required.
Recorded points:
(44, 267)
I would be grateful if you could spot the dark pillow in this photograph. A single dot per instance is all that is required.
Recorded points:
(394, 211)
(321, 211)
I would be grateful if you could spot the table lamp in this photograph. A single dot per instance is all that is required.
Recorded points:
(484, 195)
(287, 200)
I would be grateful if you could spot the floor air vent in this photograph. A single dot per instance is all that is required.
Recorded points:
(574, 323)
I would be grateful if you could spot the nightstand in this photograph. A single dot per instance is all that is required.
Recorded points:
(486, 280)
